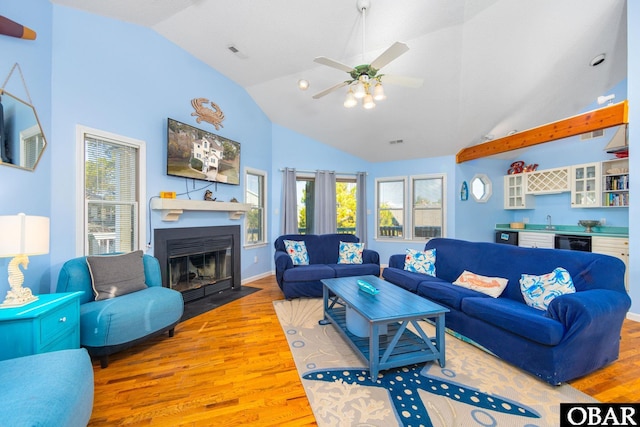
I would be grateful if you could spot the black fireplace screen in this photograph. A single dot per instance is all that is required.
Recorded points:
(193, 271)
(199, 261)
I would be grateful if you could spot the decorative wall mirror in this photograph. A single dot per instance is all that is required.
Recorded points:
(22, 140)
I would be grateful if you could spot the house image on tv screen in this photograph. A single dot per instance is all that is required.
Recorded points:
(209, 153)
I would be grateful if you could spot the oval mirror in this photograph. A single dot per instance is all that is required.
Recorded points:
(21, 138)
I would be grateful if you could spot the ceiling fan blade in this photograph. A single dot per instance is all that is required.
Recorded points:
(333, 64)
(413, 82)
(394, 51)
(328, 91)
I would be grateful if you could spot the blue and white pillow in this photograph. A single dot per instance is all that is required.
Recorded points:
(297, 251)
(420, 261)
(539, 291)
(350, 253)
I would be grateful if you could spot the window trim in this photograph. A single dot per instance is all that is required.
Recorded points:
(81, 214)
(412, 179)
(265, 198)
(377, 235)
(488, 187)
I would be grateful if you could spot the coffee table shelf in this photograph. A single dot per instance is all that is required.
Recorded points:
(406, 352)
(393, 308)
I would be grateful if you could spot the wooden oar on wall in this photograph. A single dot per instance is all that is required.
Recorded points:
(13, 29)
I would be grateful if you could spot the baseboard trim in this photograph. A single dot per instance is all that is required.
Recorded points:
(247, 280)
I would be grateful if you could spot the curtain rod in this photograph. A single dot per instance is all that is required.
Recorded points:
(311, 171)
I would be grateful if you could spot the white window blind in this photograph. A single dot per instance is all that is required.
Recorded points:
(255, 194)
(111, 195)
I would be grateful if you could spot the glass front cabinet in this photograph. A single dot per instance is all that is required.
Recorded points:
(585, 185)
(514, 192)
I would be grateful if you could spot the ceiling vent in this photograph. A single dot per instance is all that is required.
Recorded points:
(396, 141)
(591, 135)
(236, 51)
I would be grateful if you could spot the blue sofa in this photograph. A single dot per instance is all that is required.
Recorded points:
(112, 325)
(52, 389)
(304, 280)
(578, 333)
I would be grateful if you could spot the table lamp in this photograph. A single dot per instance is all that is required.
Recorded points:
(21, 236)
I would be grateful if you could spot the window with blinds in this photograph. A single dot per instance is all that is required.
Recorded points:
(111, 189)
(255, 194)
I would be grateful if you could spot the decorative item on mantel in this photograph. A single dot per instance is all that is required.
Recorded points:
(520, 167)
(208, 195)
(214, 116)
(22, 236)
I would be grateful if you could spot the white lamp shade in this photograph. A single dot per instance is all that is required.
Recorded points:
(350, 101)
(360, 91)
(23, 235)
(378, 92)
(368, 103)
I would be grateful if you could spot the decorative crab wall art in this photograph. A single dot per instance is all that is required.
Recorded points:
(214, 115)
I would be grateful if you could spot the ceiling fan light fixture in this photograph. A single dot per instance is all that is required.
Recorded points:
(378, 92)
(350, 101)
(368, 103)
(303, 84)
(360, 90)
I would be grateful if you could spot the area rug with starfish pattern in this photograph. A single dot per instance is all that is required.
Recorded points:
(473, 389)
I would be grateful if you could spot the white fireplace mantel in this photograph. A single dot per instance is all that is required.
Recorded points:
(173, 208)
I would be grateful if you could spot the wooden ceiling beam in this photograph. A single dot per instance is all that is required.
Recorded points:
(611, 115)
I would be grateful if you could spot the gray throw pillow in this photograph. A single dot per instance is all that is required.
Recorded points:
(115, 275)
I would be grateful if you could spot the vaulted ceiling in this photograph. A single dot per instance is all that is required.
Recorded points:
(489, 66)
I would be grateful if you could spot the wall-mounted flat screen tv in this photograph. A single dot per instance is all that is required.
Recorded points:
(198, 154)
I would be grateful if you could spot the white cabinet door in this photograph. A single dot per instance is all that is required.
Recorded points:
(585, 185)
(514, 192)
(528, 239)
(614, 246)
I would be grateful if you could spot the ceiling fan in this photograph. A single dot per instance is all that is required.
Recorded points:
(365, 81)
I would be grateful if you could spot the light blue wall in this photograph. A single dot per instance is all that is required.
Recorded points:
(20, 190)
(476, 221)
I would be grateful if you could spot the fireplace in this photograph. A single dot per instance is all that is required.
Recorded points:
(199, 261)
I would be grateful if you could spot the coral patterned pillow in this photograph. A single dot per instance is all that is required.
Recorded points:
(492, 286)
(350, 253)
(297, 251)
(539, 291)
(420, 261)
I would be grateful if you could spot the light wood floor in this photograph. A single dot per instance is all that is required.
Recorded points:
(232, 367)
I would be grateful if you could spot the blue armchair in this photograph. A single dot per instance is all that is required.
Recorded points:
(110, 325)
(47, 389)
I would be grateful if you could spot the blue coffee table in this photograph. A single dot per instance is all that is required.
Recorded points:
(392, 307)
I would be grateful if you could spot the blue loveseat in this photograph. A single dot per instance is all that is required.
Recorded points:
(578, 333)
(111, 325)
(323, 250)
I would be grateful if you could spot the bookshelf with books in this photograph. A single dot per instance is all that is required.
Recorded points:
(615, 183)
